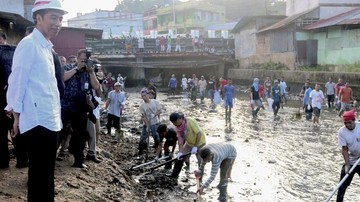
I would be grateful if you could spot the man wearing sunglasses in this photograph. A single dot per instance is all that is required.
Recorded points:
(349, 140)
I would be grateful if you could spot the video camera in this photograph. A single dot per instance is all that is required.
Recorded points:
(89, 62)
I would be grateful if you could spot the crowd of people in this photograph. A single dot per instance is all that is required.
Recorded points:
(168, 44)
(52, 105)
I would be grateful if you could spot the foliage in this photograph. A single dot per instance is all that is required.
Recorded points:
(351, 67)
(270, 66)
(315, 68)
(140, 6)
(335, 68)
(235, 9)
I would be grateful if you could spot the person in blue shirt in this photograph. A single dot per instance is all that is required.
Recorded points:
(229, 91)
(307, 92)
(172, 84)
(276, 96)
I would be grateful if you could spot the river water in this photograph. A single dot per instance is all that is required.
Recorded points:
(279, 159)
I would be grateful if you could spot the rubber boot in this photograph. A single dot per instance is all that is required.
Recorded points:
(168, 166)
(187, 167)
(177, 169)
(229, 116)
(223, 193)
(142, 147)
(226, 117)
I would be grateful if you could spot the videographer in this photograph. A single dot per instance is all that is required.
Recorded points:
(78, 102)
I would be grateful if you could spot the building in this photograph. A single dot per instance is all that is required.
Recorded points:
(12, 20)
(286, 41)
(220, 30)
(323, 8)
(150, 23)
(253, 48)
(115, 24)
(337, 38)
(70, 39)
(189, 18)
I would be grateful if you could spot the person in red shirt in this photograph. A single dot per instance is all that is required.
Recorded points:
(346, 98)
(222, 82)
(261, 91)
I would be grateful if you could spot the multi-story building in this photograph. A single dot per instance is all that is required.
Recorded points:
(322, 8)
(188, 18)
(114, 24)
(150, 23)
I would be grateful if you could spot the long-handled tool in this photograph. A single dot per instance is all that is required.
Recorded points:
(197, 186)
(148, 163)
(298, 113)
(343, 180)
(172, 160)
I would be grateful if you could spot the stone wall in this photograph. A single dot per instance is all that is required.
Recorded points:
(287, 58)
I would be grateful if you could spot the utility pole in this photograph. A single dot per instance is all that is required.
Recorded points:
(173, 1)
(174, 17)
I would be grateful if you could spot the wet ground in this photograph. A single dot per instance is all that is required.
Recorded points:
(279, 159)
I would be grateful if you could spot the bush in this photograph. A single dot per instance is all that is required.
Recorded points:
(270, 66)
(315, 68)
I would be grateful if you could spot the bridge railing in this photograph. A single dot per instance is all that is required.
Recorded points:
(123, 46)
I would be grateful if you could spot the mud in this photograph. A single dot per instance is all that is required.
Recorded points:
(279, 159)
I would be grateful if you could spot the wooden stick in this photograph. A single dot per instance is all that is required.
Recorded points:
(197, 187)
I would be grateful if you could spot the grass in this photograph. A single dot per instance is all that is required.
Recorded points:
(270, 66)
(332, 68)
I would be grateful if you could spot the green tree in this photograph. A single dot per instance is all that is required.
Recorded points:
(235, 9)
(140, 6)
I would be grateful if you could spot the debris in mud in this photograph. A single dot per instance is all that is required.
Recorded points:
(272, 161)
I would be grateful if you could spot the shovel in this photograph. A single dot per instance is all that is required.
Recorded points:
(148, 163)
(298, 113)
(172, 160)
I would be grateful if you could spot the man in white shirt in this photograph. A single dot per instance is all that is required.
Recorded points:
(283, 91)
(34, 99)
(330, 92)
(316, 98)
(114, 105)
(184, 82)
(202, 88)
(348, 139)
(150, 111)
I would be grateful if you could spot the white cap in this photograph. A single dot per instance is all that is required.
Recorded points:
(117, 84)
(48, 4)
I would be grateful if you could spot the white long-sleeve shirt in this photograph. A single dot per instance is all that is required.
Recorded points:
(221, 152)
(117, 99)
(33, 91)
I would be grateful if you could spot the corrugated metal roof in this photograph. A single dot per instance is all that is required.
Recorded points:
(347, 18)
(225, 26)
(15, 18)
(246, 19)
(286, 21)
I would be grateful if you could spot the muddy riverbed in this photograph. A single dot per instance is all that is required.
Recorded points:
(279, 159)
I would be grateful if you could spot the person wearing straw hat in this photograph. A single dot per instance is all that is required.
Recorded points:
(349, 140)
(34, 98)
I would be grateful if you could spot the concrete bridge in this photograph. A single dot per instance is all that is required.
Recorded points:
(139, 67)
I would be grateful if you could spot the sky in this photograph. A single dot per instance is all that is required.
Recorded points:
(86, 6)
